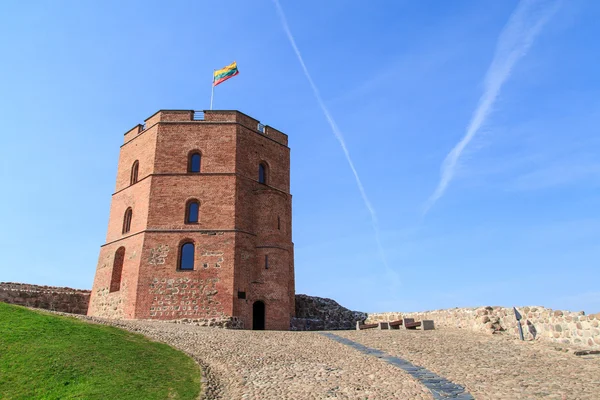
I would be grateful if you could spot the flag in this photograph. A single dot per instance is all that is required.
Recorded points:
(221, 75)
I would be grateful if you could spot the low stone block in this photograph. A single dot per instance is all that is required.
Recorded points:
(427, 325)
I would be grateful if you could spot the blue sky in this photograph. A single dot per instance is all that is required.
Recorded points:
(518, 224)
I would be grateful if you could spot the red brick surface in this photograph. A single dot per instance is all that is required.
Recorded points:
(236, 229)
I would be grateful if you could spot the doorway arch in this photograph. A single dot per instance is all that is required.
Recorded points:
(258, 316)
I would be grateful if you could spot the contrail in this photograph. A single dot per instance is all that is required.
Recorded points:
(523, 26)
(338, 135)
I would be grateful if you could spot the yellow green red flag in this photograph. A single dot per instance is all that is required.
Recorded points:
(221, 75)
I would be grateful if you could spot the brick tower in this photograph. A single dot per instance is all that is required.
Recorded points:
(200, 224)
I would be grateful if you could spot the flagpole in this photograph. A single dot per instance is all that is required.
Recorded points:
(212, 92)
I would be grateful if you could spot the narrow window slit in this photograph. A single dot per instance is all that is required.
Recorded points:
(117, 272)
(134, 172)
(127, 220)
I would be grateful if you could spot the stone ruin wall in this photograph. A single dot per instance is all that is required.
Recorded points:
(63, 299)
(549, 325)
(318, 313)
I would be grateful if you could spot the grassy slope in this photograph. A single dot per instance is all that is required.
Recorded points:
(46, 356)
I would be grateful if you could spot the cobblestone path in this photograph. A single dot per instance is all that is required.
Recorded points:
(308, 365)
(281, 365)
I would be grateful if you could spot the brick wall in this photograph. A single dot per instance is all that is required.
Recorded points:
(544, 323)
(120, 303)
(241, 221)
(61, 299)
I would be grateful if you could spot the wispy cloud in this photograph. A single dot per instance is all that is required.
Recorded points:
(422, 62)
(559, 174)
(392, 275)
(523, 26)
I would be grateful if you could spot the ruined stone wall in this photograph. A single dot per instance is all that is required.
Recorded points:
(61, 299)
(539, 323)
(318, 313)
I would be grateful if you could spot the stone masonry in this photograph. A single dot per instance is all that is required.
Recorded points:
(318, 313)
(538, 323)
(61, 299)
(243, 251)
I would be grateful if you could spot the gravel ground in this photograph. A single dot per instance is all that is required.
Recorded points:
(492, 366)
(307, 365)
(280, 365)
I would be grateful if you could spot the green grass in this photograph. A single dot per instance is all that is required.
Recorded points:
(44, 356)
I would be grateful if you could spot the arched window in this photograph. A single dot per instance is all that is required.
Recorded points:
(134, 172)
(191, 212)
(194, 162)
(117, 271)
(262, 173)
(186, 256)
(127, 220)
